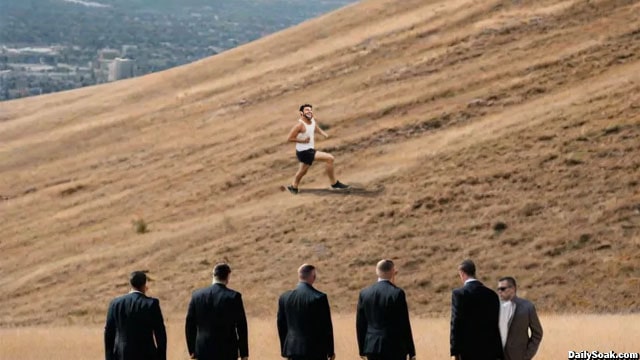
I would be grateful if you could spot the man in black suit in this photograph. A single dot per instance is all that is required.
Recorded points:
(216, 326)
(304, 320)
(475, 310)
(382, 319)
(133, 321)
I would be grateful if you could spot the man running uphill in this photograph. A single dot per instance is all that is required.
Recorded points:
(303, 135)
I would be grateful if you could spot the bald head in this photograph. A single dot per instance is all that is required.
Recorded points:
(307, 273)
(385, 269)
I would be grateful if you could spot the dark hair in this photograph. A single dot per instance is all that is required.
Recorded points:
(305, 271)
(138, 279)
(508, 279)
(468, 267)
(385, 266)
(221, 271)
(304, 106)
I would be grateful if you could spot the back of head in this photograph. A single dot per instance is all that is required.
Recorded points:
(306, 272)
(221, 271)
(138, 279)
(385, 269)
(468, 267)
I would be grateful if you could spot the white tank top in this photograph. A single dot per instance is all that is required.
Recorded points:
(309, 133)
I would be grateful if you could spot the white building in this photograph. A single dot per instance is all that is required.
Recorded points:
(108, 54)
(121, 69)
(129, 51)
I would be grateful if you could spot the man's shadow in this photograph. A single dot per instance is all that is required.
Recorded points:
(354, 190)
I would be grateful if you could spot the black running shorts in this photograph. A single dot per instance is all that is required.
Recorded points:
(306, 156)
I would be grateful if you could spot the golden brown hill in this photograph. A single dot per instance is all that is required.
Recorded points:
(469, 113)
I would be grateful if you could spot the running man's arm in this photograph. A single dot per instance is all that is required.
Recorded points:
(321, 132)
(293, 134)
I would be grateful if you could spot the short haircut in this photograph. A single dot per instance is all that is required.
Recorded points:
(305, 271)
(221, 271)
(509, 279)
(468, 267)
(138, 279)
(385, 266)
(304, 106)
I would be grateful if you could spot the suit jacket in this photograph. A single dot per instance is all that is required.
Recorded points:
(475, 333)
(382, 322)
(519, 345)
(304, 323)
(133, 320)
(216, 325)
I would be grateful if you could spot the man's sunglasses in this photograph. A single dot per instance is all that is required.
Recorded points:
(503, 288)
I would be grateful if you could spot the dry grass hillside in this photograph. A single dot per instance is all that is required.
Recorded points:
(505, 131)
(602, 333)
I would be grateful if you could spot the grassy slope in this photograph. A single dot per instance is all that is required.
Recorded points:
(469, 113)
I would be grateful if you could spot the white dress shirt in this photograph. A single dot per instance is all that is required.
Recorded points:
(507, 308)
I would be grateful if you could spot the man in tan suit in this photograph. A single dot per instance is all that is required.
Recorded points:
(517, 316)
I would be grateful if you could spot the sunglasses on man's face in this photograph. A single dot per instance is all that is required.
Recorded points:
(503, 288)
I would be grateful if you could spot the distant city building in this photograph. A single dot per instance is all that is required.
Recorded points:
(129, 51)
(121, 69)
(102, 65)
(29, 55)
(108, 54)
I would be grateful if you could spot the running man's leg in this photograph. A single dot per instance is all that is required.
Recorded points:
(328, 159)
(302, 171)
